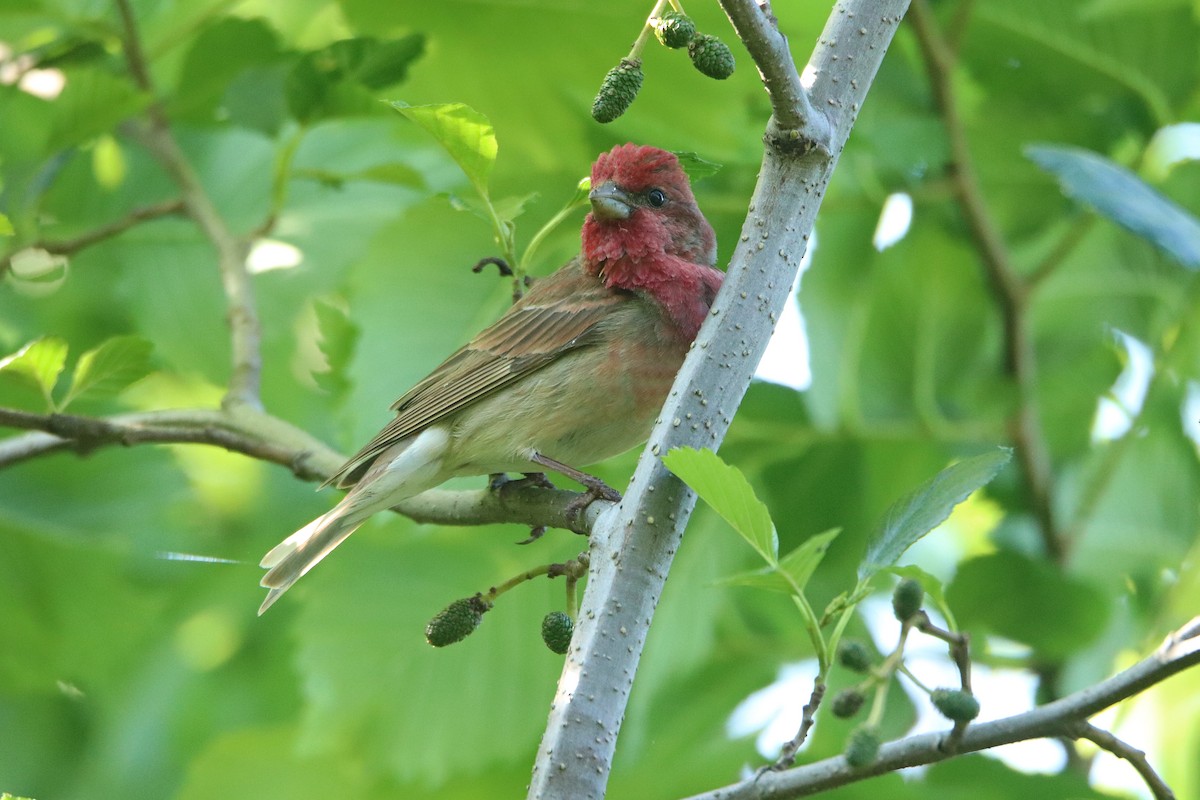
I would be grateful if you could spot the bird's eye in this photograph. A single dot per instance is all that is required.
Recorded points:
(656, 198)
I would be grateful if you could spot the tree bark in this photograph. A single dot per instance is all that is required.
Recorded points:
(634, 543)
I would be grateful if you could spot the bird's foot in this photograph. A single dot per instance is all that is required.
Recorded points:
(499, 263)
(596, 489)
(501, 482)
(535, 533)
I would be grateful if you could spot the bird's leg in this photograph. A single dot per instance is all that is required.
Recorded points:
(596, 488)
(500, 482)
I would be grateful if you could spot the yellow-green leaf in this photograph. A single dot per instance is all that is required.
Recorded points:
(110, 367)
(466, 134)
(726, 489)
(108, 162)
(38, 364)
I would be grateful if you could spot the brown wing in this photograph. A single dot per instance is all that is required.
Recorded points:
(560, 313)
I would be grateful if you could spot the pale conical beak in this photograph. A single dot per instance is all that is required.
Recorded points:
(610, 201)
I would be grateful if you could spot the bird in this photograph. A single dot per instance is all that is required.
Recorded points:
(573, 373)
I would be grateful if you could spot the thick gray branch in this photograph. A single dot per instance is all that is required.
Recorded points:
(634, 543)
(1180, 651)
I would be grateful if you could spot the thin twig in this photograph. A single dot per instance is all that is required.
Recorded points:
(787, 756)
(1180, 651)
(267, 438)
(1136, 758)
(796, 122)
(1010, 290)
(244, 382)
(66, 247)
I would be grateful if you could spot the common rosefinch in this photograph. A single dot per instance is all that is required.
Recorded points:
(574, 373)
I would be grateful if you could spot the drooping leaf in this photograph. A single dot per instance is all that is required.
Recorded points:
(726, 489)
(1124, 198)
(927, 506)
(38, 364)
(465, 133)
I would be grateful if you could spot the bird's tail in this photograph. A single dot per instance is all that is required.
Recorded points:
(406, 468)
(288, 561)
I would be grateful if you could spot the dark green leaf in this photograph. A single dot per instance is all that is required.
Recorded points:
(1028, 601)
(922, 510)
(1124, 198)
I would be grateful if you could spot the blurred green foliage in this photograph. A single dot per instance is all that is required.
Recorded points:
(128, 673)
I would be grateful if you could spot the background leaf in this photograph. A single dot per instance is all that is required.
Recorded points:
(1124, 198)
(109, 368)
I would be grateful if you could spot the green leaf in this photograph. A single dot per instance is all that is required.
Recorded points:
(802, 561)
(6, 228)
(726, 489)
(111, 367)
(922, 510)
(1029, 601)
(465, 133)
(697, 167)
(38, 364)
(1124, 198)
(798, 565)
(337, 341)
(108, 162)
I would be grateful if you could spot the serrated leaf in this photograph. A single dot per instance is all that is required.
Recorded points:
(697, 167)
(727, 491)
(109, 368)
(926, 507)
(1124, 198)
(38, 364)
(798, 565)
(466, 134)
(803, 560)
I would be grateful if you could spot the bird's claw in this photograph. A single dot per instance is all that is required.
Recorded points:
(535, 533)
(596, 489)
(501, 481)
